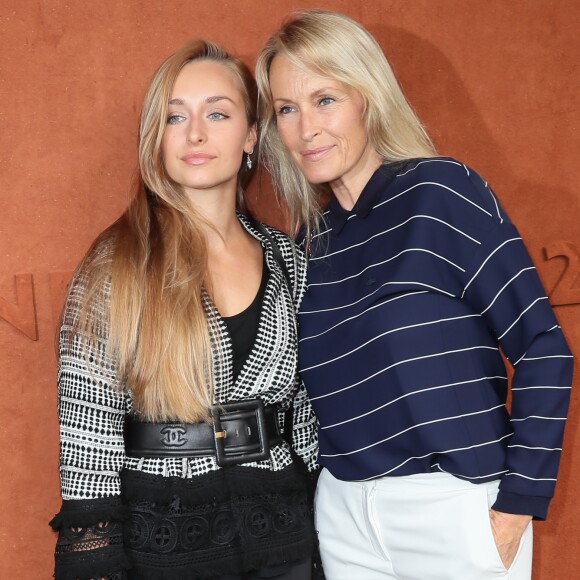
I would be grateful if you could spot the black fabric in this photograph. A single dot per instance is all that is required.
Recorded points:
(297, 571)
(86, 553)
(89, 512)
(243, 327)
(90, 539)
(218, 524)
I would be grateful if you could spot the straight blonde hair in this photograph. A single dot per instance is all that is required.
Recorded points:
(331, 45)
(154, 319)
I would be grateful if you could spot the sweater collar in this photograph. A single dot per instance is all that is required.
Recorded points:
(337, 216)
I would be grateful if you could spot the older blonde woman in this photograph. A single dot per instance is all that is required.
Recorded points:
(416, 279)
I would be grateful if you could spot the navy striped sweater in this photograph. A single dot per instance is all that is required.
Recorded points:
(410, 297)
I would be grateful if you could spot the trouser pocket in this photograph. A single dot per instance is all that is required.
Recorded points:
(491, 490)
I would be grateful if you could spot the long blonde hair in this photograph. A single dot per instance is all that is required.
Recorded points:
(155, 257)
(331, 45)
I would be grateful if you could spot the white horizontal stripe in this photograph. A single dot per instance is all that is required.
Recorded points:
(413, 293)
(419, 392)
(437, 185)
(452, 227)
(428, 161)
(77, 438)
(525, 353)
(538, 417)
(96, 439)
(439, 453)
(536, 448)
(528, 388)
(318, 234)
(549, 356)
(519, 317)
(384, 262)
(532, 478)
(505, 286)
(98, 407)
(385, 334)
(96, 472)
(461, 476)
(442, 419)
(421, 284)
(485, 262)
(358, 315)
(400, 363)
(384, 232)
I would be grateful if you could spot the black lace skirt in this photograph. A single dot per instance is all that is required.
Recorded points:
(231, 521)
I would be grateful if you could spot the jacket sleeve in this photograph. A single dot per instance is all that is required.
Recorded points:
(304, 424)
(305, 427)
(91, 413)
(502, 285)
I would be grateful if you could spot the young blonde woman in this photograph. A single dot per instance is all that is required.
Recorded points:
(416, 278)
(178, 358)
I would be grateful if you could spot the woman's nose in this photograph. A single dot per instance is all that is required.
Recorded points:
(308, 126)
(196, 131)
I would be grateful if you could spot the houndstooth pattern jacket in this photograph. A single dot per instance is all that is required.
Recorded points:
(92, 407)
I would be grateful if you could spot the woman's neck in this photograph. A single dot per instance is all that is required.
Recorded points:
(347, 189)
(219, 214)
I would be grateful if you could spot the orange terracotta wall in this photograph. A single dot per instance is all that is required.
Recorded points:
(495, 82)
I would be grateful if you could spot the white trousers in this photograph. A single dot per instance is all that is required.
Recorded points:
(429, 526)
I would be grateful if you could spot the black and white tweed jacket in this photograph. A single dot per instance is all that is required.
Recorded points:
(92, 407)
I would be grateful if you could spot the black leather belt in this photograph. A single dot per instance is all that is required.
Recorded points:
(240, 432)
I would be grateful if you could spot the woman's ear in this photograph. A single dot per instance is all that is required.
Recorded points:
(252, 139)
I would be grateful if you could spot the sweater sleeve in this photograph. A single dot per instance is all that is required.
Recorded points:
(502, 285)
(91, 414)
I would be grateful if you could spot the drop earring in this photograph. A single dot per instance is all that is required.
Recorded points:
(249, 160)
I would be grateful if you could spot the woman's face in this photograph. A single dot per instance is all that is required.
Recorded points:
(207, 130)
(321, 122)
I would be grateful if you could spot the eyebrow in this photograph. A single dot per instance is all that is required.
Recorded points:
(316, 93)
(207, 100)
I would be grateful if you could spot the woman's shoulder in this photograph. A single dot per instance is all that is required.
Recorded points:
(286, 244)
(96, 263)
(292, 254)
(91, 280)
(285, 251)
(461, 185)
(270, 235)
(442, 168)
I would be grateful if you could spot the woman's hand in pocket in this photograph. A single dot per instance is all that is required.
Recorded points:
(507, 533)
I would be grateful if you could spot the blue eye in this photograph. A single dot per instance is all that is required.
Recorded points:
(285, 110)
(174, 118)
(217, 116)
(326, 101)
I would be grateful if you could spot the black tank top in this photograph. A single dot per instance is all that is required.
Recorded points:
(243, 327)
